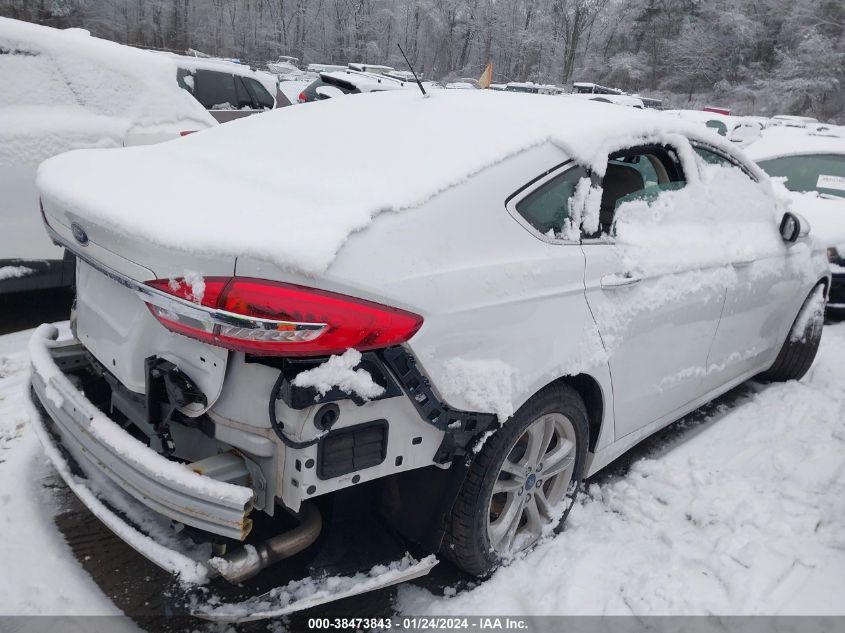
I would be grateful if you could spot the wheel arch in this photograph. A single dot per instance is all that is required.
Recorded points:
(590, 391)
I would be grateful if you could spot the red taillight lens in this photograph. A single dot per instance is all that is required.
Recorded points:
(302, 98)
(186, 132)
(274, 318)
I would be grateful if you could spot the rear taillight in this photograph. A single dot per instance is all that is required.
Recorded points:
(302, 98)
(186, 132)
(272, 318)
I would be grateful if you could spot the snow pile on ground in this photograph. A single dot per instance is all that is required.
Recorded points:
(485, 385)
(340, 372)
(39, 574)
(743, 513)
(300, 216)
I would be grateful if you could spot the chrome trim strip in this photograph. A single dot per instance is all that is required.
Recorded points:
(203, 314)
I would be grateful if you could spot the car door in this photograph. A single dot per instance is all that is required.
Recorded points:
(656, 316)
(766, 275)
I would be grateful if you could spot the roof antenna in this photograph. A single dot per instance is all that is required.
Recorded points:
(413, 72)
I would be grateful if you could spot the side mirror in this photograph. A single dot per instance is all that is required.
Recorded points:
(793, 227)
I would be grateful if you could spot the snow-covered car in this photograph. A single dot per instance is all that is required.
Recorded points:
(813, 168)
(527, 290)
(738, 129)
(65, 90)
(228, 90)
(350, 81)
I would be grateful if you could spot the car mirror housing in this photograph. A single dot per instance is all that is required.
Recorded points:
(793, 227)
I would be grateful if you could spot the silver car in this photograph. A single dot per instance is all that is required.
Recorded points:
(451, 370)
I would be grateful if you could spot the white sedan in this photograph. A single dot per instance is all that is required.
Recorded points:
(449, 329)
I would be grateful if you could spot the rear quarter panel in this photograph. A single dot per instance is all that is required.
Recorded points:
(488, 289)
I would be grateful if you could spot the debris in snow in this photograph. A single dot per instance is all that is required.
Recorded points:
(811, 316)
(12, 272)
(225, 566)
(314, 591)
(340, 372)
(485, 385)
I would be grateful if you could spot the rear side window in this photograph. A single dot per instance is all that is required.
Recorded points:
(260, 97)
(547, 207)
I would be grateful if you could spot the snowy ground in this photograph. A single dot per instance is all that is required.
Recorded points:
(741, 511)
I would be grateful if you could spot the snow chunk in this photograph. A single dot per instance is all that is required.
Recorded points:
(485, 385)
(225, 566)
(584, 208)
(12, 272)
(340, 372)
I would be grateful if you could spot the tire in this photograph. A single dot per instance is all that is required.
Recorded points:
(799, 349)
(467, 542)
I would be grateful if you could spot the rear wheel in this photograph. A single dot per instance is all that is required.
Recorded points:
(522, 483)
(800, 347)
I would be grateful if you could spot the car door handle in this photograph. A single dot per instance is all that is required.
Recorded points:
(744, 262)
(619, 280)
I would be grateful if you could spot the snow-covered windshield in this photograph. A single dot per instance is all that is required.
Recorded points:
(824, 173)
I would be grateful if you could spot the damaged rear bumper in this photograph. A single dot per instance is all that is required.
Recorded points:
(136, 492)
(102, 449)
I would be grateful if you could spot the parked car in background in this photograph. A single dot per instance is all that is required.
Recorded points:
(228, 90)
(362, 350)
(349, 81)
(625, 100)
(789, 120)
(813, 168)
(737, 129)
(66, 90)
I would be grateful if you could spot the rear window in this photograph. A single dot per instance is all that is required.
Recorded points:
(547, 207)
(824, 173)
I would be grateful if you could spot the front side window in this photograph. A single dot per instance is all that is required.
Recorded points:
(824, 173)
(637, 174)
(546, 208)
(216, 91)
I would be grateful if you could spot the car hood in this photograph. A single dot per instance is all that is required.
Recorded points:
(826, 216)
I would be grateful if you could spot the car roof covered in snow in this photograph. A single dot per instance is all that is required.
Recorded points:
(780, 141)
(191, 63)
(69, 68)
(286, 186)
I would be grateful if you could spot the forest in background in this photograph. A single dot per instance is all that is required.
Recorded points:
(755, 56)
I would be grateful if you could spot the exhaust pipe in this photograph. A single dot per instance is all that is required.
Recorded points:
(248, 561)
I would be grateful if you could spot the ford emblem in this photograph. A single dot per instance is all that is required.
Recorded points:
(79, 233)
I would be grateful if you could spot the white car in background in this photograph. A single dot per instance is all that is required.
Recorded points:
(65, 90)
(527, 289)
(812, 165)
(737, 129)
(228, 90)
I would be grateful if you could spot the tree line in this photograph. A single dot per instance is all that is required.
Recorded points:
(763, 56)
